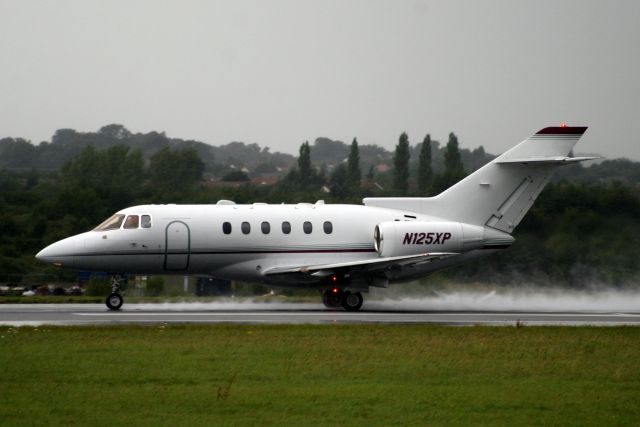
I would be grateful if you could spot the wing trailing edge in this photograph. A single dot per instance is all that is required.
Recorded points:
(360, 265)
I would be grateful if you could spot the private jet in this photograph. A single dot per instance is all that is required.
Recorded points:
(341, 250)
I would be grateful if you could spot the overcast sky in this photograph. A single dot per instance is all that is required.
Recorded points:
(281, 72)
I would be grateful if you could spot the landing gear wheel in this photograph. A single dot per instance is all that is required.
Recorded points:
(326, 295)
(114, 301)
(331, 299)
(352, 301)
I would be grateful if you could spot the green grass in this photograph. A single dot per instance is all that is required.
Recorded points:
(319, 375)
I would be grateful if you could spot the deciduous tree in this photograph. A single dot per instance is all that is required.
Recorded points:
(354, 175)
(425, 172)
(401, 165)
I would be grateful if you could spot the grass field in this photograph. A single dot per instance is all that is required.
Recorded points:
(319, 375)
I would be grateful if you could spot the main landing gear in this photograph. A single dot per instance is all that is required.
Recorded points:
(336, 298)
(114, 300)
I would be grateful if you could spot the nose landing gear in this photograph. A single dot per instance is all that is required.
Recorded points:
(336, 298)
(114, 300)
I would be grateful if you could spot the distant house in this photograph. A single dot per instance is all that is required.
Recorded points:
(265, 180)
(225, 184)
(382, 168)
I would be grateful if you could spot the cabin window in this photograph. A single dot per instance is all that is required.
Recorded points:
(226, 227)
(307, 227)
(145, 221)
(266, 227)
(328, 227)
(113, 223)
(133, 221)
(246, 228)
(286, 227)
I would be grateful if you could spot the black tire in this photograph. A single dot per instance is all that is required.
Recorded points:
(326, 298)
(352, 301)
(332, 299)
(114, 301)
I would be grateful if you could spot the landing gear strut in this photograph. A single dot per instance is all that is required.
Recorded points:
(336, 298)
(114, 300)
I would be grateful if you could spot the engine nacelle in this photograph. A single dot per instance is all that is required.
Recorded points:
(397, 238)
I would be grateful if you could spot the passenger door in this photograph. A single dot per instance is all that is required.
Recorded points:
(177, 246)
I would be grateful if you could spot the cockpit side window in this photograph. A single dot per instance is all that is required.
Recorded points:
(145, 221)
(133, 221)
(113, 223)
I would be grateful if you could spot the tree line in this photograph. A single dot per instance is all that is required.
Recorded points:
(346, 178)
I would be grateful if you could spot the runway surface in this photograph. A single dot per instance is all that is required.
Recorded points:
(288, 313)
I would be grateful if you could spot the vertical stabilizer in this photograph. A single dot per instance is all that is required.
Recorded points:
(500, 193)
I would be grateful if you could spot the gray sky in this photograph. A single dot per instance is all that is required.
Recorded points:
(281, 72)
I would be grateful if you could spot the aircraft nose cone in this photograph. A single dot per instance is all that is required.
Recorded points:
(49, 254)
(58, 253)
(42, 255)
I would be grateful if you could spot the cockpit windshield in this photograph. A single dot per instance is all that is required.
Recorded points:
(112, 223)
(132, 221)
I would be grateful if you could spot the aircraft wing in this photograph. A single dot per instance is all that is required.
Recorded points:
(367, 265)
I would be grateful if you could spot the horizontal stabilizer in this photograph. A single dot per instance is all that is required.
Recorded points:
(361, 265)
(547, 160)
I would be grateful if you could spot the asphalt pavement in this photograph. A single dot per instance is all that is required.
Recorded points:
(289, 313)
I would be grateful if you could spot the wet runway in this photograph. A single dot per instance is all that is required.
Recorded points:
(289, 313)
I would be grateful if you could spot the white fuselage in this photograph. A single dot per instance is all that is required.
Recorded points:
(190, 239)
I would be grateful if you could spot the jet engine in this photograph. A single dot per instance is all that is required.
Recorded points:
(398, 238)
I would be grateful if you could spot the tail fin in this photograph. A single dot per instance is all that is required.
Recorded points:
(500, 193)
